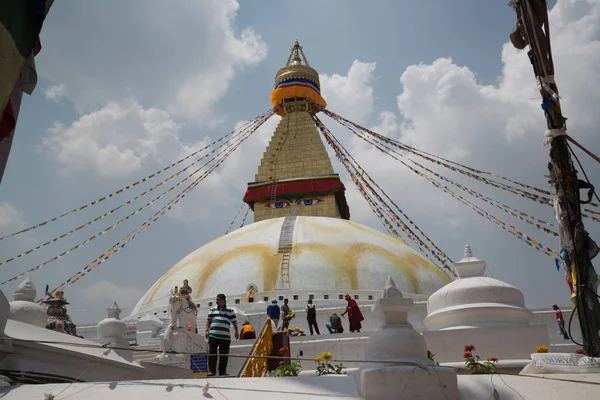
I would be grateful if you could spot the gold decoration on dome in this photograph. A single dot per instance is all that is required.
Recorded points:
(257, 367)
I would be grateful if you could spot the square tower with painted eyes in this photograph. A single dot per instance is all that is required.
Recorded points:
(295, 176)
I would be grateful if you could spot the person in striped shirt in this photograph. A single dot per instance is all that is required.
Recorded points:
(218, 333)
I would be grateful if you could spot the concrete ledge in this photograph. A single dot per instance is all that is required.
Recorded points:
(506, 343)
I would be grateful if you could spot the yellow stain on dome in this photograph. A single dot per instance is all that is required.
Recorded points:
(342, 262)
(268, 257)
(269, 264)
(413, 255)
(206, 255)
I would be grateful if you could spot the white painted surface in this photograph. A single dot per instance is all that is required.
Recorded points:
(505, 343)
(472, 387)
(28, 313)
(66, 356)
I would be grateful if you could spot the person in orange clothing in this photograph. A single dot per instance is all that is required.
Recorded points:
(247, 331)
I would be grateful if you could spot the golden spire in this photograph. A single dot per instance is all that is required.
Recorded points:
(295, 175)
(294, 57)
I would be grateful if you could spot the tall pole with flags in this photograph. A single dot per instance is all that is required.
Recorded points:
(577, 249)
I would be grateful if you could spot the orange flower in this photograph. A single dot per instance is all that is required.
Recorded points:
(284, 350)
(493, 359)
(467, 354)
(281, 362)
(469, 348)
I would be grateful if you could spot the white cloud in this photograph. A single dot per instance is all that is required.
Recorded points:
(446, 111)
(105, 293)
(351, 94)
(115, 140)
(449, 113)
(10, 218)
(181, 59)
(221, 193)
(55, 92)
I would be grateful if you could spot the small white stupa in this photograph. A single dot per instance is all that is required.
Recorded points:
(111, 332)
(481, 311)
(409, 374)
(24, 308)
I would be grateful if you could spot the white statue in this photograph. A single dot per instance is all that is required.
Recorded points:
(181, 334)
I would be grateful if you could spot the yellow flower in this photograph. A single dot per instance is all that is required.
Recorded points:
(541, 349)
(318, 359)
(326, 355)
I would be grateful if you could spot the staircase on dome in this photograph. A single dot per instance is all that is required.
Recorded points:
(295, 176)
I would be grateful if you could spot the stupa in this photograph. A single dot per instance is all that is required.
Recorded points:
(24, 308)
(482, 311)
(302, 239)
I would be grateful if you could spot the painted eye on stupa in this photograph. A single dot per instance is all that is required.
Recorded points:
(278, 204)
(308, 202)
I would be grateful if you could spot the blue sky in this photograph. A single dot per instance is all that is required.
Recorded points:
(126, 88)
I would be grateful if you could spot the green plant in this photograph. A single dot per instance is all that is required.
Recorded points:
(325, 368)
(431, 356)
(474, 365)
(287, 370)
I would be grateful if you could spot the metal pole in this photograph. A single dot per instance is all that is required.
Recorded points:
(532, 17)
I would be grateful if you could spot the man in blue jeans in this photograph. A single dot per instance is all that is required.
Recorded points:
(273, 311)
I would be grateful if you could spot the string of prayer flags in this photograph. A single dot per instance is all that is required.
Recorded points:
(167, 207)
(56, 239)
(142, 227)
(234, 218)
(346, 159)
(261, 118)
(509, 228)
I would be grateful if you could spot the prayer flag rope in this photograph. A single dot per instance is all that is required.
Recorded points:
(444, 163)
(415, 150)
(509, 228)
(537, 222)
(132, 235)
(245, 216)
(181, 195)
(380, 211)
(491, 182)
(262, 117)
(389, 226)
(234, 218)
(353, 168)
(56, 239)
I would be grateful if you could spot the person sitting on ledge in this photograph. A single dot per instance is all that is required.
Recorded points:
(335, 324)
(247, 331)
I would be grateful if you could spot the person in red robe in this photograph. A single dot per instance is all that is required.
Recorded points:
(354, 315)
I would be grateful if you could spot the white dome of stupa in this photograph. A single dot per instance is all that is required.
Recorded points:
(474, 300)
(327, 254)
(24, 309)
